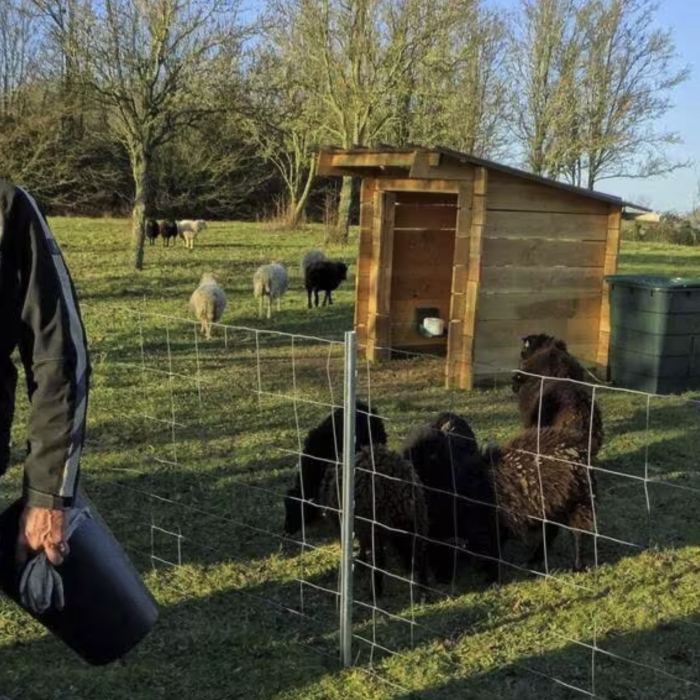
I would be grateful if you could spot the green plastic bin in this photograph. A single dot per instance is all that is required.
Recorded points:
(654, 333)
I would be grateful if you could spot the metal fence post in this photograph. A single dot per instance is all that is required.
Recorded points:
(348, 498)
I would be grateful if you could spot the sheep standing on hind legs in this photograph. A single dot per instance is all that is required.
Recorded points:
(270, 281)
(207, 303)
(554, 402)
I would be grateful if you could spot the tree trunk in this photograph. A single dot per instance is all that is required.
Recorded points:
(140, 168)
(343, 226)
(297, 208)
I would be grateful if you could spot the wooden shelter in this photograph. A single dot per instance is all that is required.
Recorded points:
(496, 252)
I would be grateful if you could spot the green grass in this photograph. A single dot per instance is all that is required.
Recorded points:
(191, 446)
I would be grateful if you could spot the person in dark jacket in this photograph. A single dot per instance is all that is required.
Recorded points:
(39, 315)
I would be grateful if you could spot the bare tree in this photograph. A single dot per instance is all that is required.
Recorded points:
(629, 71)
(158, 66)
(459, 97)
(359, 55)
(543, 52)
(591, 81)
(286, 120)
(17, 54)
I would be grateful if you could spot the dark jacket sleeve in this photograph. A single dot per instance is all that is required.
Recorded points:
(53, 350)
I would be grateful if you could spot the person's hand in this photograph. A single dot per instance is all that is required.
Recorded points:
(43, 529)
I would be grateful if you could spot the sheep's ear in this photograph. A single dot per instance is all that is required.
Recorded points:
(526, 341)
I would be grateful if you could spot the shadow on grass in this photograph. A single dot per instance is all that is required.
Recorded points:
(659, 663)
(251, 640)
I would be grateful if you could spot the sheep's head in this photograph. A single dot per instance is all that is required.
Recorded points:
(208, 278)
(540, 341)
(452, 424)
(200, 225)
(342, 271)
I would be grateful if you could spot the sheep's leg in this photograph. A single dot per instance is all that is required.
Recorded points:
(260, 305)
(316, 298)
(550, 534)
(330, 298)
(581, 519)
(269, 307)
(279, 303)
(308, 296)
(379, 562)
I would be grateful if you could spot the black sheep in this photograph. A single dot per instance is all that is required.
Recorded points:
(446, 457)
(325, 276)
(543, 474)
(540, 341)
(389, 508)
(152, 231)
(168, 230)
(562, 404)
(323, 447)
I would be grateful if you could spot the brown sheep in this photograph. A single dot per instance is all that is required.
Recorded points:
(543, 475)
(563, 404)
(388, 493)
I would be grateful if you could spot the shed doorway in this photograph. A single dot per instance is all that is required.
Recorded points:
(424, 226)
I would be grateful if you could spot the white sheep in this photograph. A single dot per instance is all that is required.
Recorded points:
(270, 281)
(207, 303)
(188, 229)
(311, 257)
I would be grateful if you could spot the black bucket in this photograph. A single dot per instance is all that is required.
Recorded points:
(108, 609)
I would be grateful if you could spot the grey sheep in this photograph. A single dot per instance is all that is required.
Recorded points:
(207, 303)
(270, 281)
(311, 257)
(389, 508)
(188, 229)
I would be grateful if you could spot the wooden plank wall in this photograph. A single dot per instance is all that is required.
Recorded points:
(544, 255)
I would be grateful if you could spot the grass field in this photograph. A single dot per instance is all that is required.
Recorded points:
(192, 444)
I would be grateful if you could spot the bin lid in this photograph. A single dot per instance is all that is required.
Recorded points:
(654, 281)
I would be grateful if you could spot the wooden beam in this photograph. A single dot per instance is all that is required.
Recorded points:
(611, 253)
(466, 280)
(419, 185)
(330, 162)
(364, 260)
(380, 274)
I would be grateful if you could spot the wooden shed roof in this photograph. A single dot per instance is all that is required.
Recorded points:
(421, 162)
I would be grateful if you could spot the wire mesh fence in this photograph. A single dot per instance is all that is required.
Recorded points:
(201, 442)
